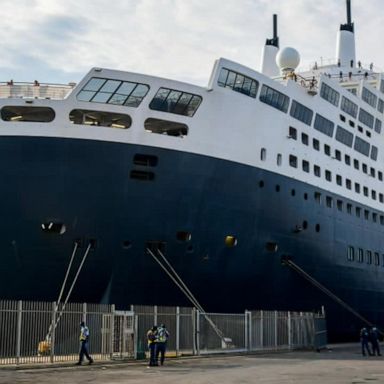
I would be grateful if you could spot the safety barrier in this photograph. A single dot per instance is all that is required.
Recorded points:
(38, 332)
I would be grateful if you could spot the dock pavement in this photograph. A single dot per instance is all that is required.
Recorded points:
(341, 363)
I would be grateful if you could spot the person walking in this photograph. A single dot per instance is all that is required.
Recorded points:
(364, 338)
(151, 340)
(374, 336)
(84, 341)
(162, 336)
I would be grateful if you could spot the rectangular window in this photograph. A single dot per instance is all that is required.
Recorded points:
(381, 198)
(347, 159)
(300, 112)
(369, 257)
(329, 94)
(366, 214)
(358, 211)
(365, 168)
(373, 194)
(339, 205)
(317, 197)
(327, 149)
(351, 253)
(304, 138)
(328, 175)
(366, 118)
(374, 217)
(374, 151)
(292, 133)
(360, 255)
(372, 172)
(293, 161)
(357, 187)
(365, 191)
(305, 165)
(324, 125)
(369, 97)
(379, 174)
(274, 98)
(380, 106)
(337, 155)
(339, 180)
(378, 125)
(316, 144)
(382, 86)
(349, 208)
(377, 258)
(317, 171)
(356, 164)
(361, 146)
(348, 183)
(344, 136)
(174, 101)
(349, 107)
(329, 201)
(238, 82)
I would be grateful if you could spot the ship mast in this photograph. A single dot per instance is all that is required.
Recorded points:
(345, 46)
(270, 49)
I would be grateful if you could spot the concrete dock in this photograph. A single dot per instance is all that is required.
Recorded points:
(338, 364)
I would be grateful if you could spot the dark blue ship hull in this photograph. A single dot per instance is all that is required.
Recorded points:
(101, 195)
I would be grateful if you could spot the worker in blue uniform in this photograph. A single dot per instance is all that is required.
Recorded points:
(151, 340)
(162, 336)
(84, 342)
(364, 339)
(374, 336)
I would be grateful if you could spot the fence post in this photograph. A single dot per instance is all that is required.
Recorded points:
(53, 333)
(177, 331)
(250, 333)
(275, 329)
(289, 331)
(193, 315)
(18, 334)
(135, 336)
(85, 313)
(198, 332)
(112, 331)
(262, 329)
(155, 314)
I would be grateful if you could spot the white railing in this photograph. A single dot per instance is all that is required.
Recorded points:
(35, 90)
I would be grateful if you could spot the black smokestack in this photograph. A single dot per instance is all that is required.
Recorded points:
(349, 18)
(275, 40)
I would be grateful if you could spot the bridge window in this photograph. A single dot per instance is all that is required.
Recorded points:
(165, 127)
(324, 125)
(17, 113)
(349, 107)
(380, 106)
(377, 125)
(173, 101)
(274, 98)
(99, 90)
(343, 136)
(100, 118)
(361, 146)
(369, 97)
(302, 113)
(366, 118)
(374, 151)
(329, 94)
(238, 82)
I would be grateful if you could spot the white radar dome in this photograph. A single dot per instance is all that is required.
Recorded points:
(288, 59)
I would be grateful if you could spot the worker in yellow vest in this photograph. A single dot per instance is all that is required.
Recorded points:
(84, 341)
(151, 339)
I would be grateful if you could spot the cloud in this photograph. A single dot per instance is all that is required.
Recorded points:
(60, 41)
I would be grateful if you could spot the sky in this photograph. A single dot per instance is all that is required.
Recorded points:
(56, 41)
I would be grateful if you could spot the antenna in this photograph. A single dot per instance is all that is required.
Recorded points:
(349, 25)
(349, 19)
(275, 40)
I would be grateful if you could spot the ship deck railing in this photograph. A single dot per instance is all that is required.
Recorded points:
(35, 90)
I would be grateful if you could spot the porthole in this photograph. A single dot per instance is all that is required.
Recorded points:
(183, 236)
(230, 241)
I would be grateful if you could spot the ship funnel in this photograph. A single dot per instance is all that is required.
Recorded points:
(345, 46)
(270, 49)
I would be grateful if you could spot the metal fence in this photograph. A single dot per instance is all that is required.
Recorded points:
(38, 332)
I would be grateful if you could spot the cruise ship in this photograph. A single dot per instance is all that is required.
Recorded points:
(262, 190)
